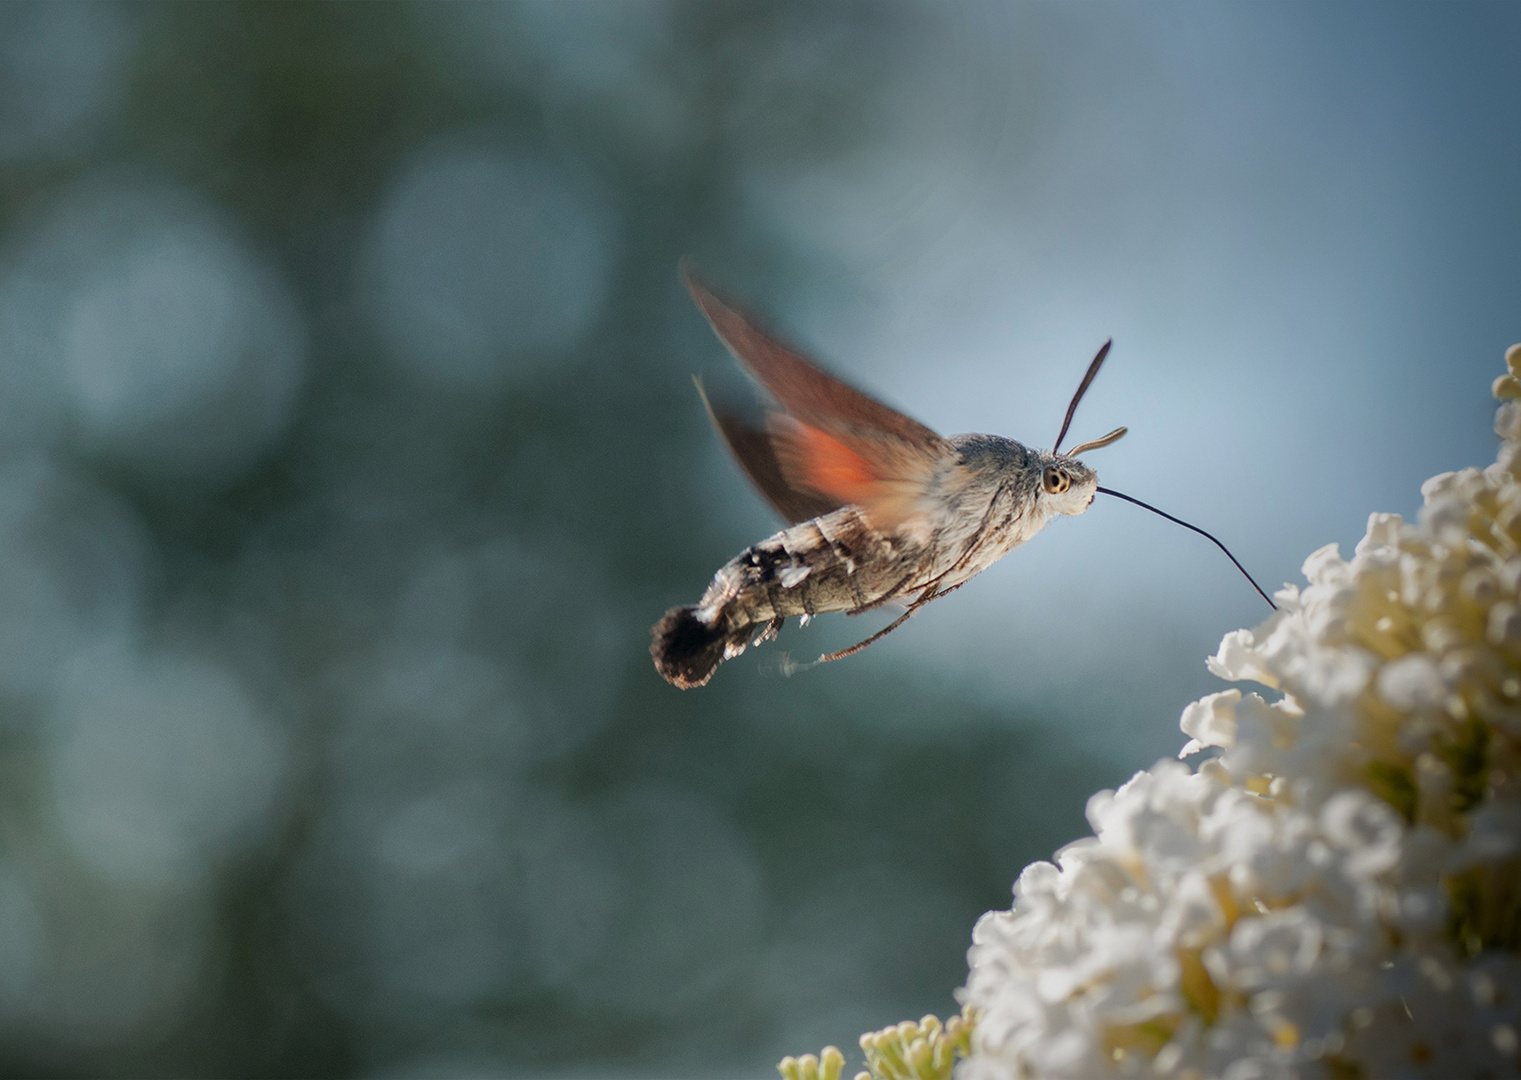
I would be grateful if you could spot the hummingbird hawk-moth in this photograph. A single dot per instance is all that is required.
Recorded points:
(880, 509)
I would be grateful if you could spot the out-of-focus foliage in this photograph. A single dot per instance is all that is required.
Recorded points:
(348, 452)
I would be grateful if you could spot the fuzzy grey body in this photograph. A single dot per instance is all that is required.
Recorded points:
(985, 497)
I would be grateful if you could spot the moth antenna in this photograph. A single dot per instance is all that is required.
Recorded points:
(1082, 388)
(1082, 448)
(932, 592)
(1195, 528)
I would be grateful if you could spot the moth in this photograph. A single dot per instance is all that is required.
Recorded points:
(880, 509)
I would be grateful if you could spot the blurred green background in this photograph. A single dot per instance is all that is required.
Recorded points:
(348, 449)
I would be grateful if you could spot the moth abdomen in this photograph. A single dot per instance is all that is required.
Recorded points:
(835, 562)
(687, 650)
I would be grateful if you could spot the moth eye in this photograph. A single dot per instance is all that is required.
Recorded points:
(1055, 481)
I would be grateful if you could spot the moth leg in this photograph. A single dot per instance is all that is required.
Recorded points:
(771, 630)
(931, 589)
(886, 598)
(880, 634)
(892, 594)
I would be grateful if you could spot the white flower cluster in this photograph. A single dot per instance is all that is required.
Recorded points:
(927, 1050)
(1335, 891)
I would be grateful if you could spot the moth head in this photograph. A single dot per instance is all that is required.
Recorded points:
(1067, 486)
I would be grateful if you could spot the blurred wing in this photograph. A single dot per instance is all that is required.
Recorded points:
(756, 454)
(807, 393)
(834, 445)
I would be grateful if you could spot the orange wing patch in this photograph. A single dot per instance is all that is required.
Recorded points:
(883, 476)
(827, 465)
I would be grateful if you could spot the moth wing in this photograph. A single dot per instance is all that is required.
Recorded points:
(834, 442)
(880, 474)
(756, 453)
(803, 389)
